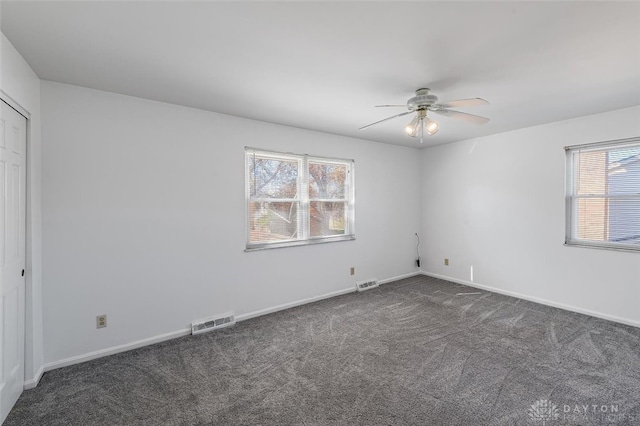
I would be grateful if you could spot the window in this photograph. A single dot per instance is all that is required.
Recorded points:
(603, 195)
(297, 199)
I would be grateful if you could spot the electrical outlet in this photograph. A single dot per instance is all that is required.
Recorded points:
(353, 270)
(446, 262)
(101, 321)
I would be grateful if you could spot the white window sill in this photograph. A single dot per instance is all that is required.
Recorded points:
(295, 243)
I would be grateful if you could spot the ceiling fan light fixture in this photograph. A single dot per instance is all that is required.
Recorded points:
(431, 127)
(412, 128)
(424, 102)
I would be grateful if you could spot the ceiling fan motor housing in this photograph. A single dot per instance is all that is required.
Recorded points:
(422, 100)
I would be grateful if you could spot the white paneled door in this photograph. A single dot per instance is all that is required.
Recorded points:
(13, 144)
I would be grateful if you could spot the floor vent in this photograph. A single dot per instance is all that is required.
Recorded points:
(366, 285)
(211, 324)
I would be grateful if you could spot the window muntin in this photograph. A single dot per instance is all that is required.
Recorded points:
(297, 199)
(603, 195)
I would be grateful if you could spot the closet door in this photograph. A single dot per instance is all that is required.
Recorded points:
(13, 143)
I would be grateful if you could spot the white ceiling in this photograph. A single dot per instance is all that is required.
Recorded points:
(324, 65)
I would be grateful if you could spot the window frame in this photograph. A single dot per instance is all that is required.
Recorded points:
(571, 198)
(302, 198)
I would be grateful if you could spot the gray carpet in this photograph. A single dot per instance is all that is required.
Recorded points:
(408, 353)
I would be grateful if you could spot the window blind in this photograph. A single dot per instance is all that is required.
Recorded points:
(603, 194)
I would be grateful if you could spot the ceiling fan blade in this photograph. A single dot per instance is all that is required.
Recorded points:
(385, 119)
(389, 106)
(464, 102)
(462, 115)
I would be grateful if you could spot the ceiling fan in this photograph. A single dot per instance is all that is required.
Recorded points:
(424, 102)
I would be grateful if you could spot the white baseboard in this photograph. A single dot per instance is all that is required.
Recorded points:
(300, 302)
(184, 332)
(316, 298)
(115, 349)
(399, 277)
(547, 302)
(32, 383)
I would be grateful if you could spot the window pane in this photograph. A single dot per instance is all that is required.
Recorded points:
(608, 171)
(624, 220)
(592, 173)
(272, 178)
(327, 218)
(272, 221)
(592, 219)
(623, 171)
(327, 181)
(612, 220)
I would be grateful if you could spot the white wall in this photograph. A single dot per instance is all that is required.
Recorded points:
(21, 87)
(497, 203)
(144, 219)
